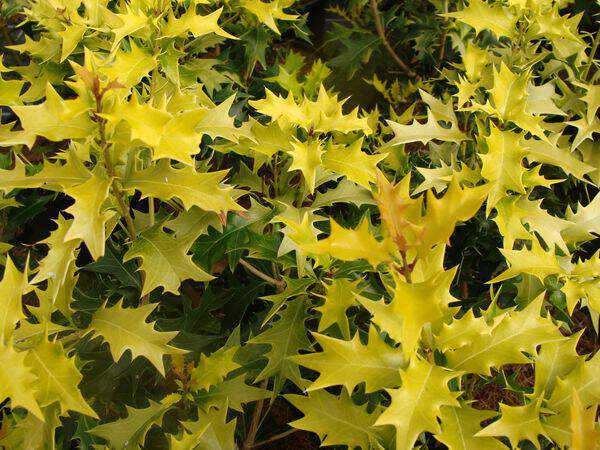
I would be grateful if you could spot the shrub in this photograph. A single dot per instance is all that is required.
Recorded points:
(204, 241)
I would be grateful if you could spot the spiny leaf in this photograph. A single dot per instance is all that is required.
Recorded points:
(339, 296)
(89, 217)
(413, 306)
(202, 189)
(350, 161)
(350, 363)
(417, 403)
(517, 423)
(350, 244)
(13, 286)
(129, 433)
(424, 132)
(337, 420)
(285, 338)
(165, 261)
(460, 426)
(57, 378)
(212, 369)
(17, 381)
(483, 16)
(516, 333)
(126, 329)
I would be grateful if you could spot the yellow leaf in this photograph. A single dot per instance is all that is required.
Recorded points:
(307, 159)
(482, 16)
(58, 378)
(267, 12)
(352, 162)
(17, 382)
(147, 122)
(56, 119)
(89, 217)
(13, 286)
(417, 404)
(351, 244)
(194, 23)
(502, 164)
(413, 306)
(425, 132)
(61, 253)
(203, 189)
(126, 329)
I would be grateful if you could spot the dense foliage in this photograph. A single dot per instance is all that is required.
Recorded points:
(206, 245)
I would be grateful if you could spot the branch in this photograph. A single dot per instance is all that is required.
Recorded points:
(276, 437)
(443, 36)
(255, 423)
(384, 41)
(280, 284)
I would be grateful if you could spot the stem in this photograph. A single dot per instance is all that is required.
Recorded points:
(384, 41)
(277, 283)
(406, 269)
(276, 437)
(110, 168)
(119, 195)
(443, 37)
(254, 424)
(114, 187)
(586, 71)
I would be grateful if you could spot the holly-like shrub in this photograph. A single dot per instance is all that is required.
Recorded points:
(206, 245)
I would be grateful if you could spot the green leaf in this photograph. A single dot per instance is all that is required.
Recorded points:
(417, 404)
(337, 420)
(204, 190)
(17, 381)
(350, 363)
(126, 329)
(57, 378)
(285, 338)
(165, 261)
(129, 433)
(516, 333)
(460, 426)
(13, 286)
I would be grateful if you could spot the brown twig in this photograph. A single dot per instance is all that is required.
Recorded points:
(276, 437)
(280, 284)
(443, 36)
(406, 267)
(254, 424)
(384, 41)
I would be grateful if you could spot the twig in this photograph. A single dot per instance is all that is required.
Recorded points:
(406, 267)
(254, 424)
(276, 437)
(384, 41)
(280, 284)
(443, 36)
(114, 187)
(119, 195)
